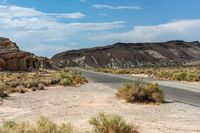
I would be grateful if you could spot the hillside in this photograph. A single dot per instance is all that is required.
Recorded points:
(14, 59)
(126, 55)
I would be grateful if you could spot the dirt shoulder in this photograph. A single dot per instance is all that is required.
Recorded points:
(77, 105)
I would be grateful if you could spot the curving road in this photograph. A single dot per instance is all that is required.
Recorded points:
(188, 93)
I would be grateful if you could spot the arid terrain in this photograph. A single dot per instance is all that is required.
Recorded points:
(78, 104)
(133, 55)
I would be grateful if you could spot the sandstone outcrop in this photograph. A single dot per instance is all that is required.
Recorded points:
(127, 55)
(12, 58)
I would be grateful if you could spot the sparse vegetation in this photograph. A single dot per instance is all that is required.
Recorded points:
(190, 74)
(107, 123)
(71, 78)
(43, 125)
(137, 92)
(41, 86)
(23, 81)
(101, 123)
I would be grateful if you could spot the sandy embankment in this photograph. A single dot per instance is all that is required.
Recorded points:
(77, 105)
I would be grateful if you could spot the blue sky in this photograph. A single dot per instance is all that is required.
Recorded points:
(47, 27)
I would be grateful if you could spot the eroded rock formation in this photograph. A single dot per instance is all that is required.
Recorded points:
(126, 55)
(12, 58)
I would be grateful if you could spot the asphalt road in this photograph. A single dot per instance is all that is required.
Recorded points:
(176, 91)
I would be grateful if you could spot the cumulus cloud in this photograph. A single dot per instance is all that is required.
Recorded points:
(100, 6)
(30, 27)
(188, 30)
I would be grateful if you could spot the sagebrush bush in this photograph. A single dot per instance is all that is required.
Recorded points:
(107, 123)
(43, 125)
(179, 76)
(137, 92)
(31, 83)
(41, 86)
(66, 82)
(12, 82)
(68, 77)
(3, 87)
(46, 82)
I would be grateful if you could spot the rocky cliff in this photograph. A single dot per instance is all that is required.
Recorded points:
(126, 55)
(12, 58)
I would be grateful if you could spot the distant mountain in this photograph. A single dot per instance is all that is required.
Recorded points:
(126, 55)
(12, 58)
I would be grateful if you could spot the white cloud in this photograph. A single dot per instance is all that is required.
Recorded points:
(16, 11)
(99, 6)
(34, 30)
(188, 30)
(77, 15)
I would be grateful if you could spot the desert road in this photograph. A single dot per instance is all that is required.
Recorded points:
(188, 93)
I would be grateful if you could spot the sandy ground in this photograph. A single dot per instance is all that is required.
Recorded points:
(77, 105)
(140, 75)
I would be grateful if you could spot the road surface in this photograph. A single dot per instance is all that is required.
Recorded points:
(177, 91)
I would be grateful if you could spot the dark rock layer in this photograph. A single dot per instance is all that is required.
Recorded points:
(126, 55)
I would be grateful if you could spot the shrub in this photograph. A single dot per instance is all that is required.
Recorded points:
(3, 87)
(66, 74)
(152, 93)
(78, 79)
(103, 123)
(65, 82)
(68, 77)
(138, 92)
(31, 83)
(46, 82)
(43, 125)
(41, 86)
(12, 127)
(179, 76)
(21, 89)
(66, 128)
(14, 84)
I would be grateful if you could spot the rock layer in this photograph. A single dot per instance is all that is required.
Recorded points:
(12, 58)
(127, 55)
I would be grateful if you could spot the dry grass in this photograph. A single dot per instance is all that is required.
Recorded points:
(43, 125)
(101, 123)
(137, 92)
(22, 81)
(71, 78)
(108, 123)
(190, 74)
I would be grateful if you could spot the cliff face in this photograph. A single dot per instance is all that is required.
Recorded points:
(126, 55)
(12, 58)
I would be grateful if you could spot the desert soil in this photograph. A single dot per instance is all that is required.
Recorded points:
(78, 104)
